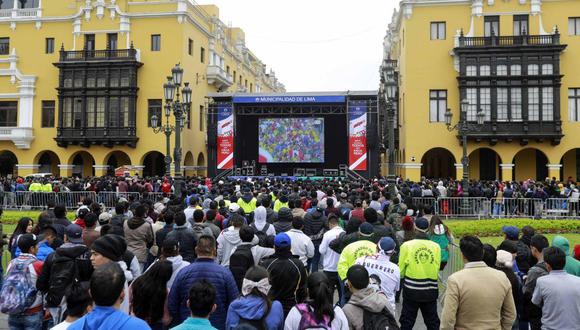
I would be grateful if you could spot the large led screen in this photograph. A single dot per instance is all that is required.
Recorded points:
(291, 140)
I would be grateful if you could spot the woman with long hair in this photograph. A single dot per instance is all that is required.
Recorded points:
(440, 234)
(254, 307)
(148, 295)
(24, 226)
(318, 310)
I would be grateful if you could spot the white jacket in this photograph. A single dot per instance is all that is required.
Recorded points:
(301, 245)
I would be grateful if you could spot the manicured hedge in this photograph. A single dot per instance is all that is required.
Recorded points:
(493, 227)
(11, 217)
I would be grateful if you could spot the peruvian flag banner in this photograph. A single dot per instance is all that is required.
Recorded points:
(225, 137)
(357, 136)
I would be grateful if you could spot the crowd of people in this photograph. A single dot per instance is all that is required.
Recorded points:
(269, 254)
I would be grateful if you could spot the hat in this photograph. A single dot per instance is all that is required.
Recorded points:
(285, 214)
(504, 259)
(282, 240)
(110, 246)
(366, 229)
(26, 241)
(511, 232)
(387, 245)
(104, 218)
(297, 222)
(74, 233)
(234, 207)
(421, 224)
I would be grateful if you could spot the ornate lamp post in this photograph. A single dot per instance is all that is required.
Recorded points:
(180, 109)
(389, 80)
(464, 127)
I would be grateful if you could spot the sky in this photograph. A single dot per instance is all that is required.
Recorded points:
(314, 45)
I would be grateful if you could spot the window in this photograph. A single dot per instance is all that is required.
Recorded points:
(114, 78)
(227, 69)
(77, 112)
(574, 104)
(547, 104)
(100, 112)
(484, 70)
(79, 79)
(190, 47)
(90, 112)
(502, 104)
(153, 108)
(124, 113)
(485, 102)
(574, 26)
(66, 112)
(515, 70)
(547, 69)
(234, 76)
(202, 55)
(516, 104)
(201, 117)
(533, 104)
(491, 26)
(89, 42)
(437, 30)
(47, 114)
(8, 113)
(251, 87)
(471, 71)
(155, 42)
(7, 4)
(114, 115)
(4, 46)
(28, 3)
(472, 108)
(49, 45)
(521, 25)
(501, 70)
(91, 78)
(125, 81)
(533, 70)
(112, 41)
(437, 105)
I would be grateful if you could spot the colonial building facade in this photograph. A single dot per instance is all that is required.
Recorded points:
(80, 81)
(517, 61)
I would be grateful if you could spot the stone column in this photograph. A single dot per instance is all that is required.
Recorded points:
(554, 171)
(27, 169)
(507, 171)
(66, 171)
(458, 171)
(101, 170)
(412, 171)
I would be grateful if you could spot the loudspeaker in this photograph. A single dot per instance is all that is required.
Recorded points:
(372, 135)
(264, 171)
(245, 163)
(238, 171)
(212, 136)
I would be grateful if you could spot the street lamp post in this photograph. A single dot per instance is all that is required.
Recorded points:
(180, 109)
(463, 126)
(390, 90)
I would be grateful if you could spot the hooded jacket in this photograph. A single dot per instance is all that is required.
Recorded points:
(372, 301)
(178, 264)
(284, 222)
(226, 241)
(572, 265)
(253, 308)
(139, 237)
(101, 318)
(315, 224)
(261, 219)
(247, 202)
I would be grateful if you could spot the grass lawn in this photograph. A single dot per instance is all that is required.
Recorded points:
(573, 238)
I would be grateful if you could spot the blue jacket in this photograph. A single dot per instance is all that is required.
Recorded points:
(253, 308)
(108, 318)
(202, 269)
(43, 251)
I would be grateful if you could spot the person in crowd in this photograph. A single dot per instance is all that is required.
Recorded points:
(191, 209)
(184, 236)
(524, 255)
(246, 255)
(572, 265)
(271, 215)
(407, 231)
(440, 234)
(577, 252)
(149, 294)
(504, 263)
(204, 267)
(60, 215)
(18, 296)
(201, 303)
(419, 263)
(119, 217)
(247, 201)
(229, 239)
(167, 218)
(70, 263)
(263, 229)
(284, 221)
(302, 245)
(532, 312)
(315, 224)
(387, 272)
(329, 256)
(477, 297)
(139, 235)
(90, 234)
(318, 311)
(198, 226)
(24, 226)
(79, 303)
(363, 247)
(364, 299)
(297, 210)
(208, 223)
(558, 293)
(287, 274)
(254, 307)
(81, 213)
(170, 252)
(489, 255)
(107, 290)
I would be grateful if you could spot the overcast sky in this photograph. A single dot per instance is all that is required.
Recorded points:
(314, 45)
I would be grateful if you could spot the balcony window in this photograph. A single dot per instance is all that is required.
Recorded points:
(574, 104)
(47, 114)
(516, 104)
(491, 26)
(91, 79)
(521, 25)
(547, 104)
(502, 104)
(114, 114)
(66, 112)
(4, 46)
(471, 71)
(574, 26)
(437, 105)
(547, 69)
(472, 108)
(485, 102)
(7, 4)
(533, 70)
(28, 3)
(515, 70)
(77, 112)
(100, 112)
(484, 70)
(8, 114)
(533, 104)
(112, 43)
(437, 30)
(501, 70)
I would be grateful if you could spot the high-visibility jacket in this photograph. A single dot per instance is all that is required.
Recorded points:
(47, 187)
(419, 261)
(247, 207)
(278, 205)
(352, 252)
(35, 186)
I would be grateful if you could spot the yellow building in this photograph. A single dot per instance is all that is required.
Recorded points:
(80, 80)
(516, 61)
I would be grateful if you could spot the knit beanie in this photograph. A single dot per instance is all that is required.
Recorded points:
(504, 259)
(285, 214)
(110, 246)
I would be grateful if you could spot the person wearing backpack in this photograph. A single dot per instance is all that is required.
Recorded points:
(254, 307)
(139, 235)
(264, 230)
(242, 253)
(367, 308)
(230, 238)
(318, 312)
(198, 226)
(69, 264)
(19, 297)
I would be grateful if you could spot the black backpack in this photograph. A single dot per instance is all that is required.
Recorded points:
(252, 324)
(261, 234)
(240, 261)
(378, 321)
(64, 273)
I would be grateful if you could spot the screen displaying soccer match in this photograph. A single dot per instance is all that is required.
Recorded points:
(291, 140)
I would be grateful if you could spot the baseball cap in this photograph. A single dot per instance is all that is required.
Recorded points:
(282, 240)
(511, 232)
(387, 245)
(421, 224)
(366, 229)
(234, 207)
(26, 241)
(74, 233)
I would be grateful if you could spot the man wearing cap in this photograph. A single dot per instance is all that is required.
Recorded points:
(32, 317)
(419, 262)
(524, 254)
(388, 273)
(363, 247)
(287, 274)
(302, 245)
(72, 255)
